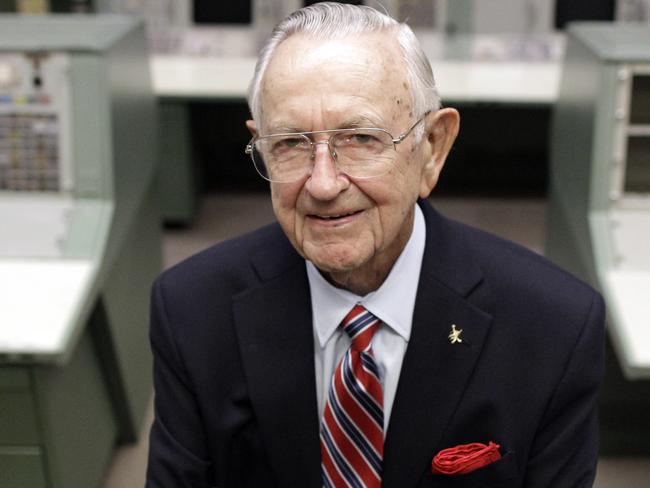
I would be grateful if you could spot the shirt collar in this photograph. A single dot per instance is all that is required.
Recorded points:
(393, 302)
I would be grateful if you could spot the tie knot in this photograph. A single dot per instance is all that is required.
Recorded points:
(360, 325)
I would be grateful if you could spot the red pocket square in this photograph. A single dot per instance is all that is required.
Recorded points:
(465, 458)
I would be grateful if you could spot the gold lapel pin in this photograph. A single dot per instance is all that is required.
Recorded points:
(454, 335)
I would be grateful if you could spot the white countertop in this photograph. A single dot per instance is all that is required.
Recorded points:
(626, 283)
(39, 299)
(517, 82)
(196, 77)
(629, 304)
(34, 225)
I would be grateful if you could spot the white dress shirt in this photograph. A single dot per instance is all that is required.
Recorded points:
(392, 303)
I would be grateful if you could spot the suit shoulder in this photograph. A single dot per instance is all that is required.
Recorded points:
(531, 300)
(518, 272)
(227, 262)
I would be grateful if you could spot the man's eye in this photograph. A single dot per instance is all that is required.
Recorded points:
(364, 138)
(289, 143)
(358, 139)
(286, 144)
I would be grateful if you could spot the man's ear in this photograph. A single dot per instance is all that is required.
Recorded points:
(441, 131)
(252, 127)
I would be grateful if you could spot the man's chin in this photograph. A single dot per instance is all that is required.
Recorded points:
(339, 264)
(329, 267)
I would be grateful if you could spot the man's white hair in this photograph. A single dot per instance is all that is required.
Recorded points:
(329, 20)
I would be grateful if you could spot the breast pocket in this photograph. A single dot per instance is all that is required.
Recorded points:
(500, 474)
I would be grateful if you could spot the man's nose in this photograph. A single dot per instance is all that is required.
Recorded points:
(325, 182)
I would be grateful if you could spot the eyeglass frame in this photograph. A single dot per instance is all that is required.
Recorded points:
(394, 140)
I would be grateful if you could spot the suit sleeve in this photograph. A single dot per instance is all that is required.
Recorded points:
(178, 453)
(565, 450)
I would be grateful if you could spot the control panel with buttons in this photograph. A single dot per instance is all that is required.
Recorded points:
(35, 122)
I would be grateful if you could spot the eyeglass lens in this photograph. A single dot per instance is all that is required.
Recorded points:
(360, 153)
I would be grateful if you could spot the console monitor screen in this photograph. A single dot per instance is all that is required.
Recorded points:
(637, 169)
(349, 2)
(211, 12)
(640, 101)
(566, 11)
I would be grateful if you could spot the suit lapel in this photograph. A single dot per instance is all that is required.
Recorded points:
(435, 372)
(274, 327)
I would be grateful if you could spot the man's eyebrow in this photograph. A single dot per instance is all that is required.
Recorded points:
(282, 128)
(357, 120)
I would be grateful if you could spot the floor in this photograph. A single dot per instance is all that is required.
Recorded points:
(221, 216)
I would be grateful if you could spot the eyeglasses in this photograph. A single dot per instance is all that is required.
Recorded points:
(358, 152)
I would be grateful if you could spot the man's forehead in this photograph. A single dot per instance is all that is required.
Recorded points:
(377, 50)
(367, 67)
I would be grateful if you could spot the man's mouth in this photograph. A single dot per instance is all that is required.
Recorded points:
(336, 216)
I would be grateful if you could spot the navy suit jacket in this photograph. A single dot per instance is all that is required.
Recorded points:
(235, 401)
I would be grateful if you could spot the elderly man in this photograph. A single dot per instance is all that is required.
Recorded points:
(365, 340)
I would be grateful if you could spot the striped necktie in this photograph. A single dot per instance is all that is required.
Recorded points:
(352, 431)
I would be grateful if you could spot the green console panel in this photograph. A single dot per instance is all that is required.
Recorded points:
(80, 244)
(599, 207)
(22, 467)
